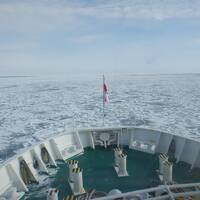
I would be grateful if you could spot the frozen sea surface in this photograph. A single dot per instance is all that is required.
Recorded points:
(32, 108)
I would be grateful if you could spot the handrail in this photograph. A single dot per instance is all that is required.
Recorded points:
(167, 188)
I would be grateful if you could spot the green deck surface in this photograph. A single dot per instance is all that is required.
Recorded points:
(98, 173)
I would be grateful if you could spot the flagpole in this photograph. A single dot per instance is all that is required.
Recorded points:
(103, 99)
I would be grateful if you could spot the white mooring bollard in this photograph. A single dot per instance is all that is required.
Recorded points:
(122, 165)
(162, 159)
(167, 172)
(72, 165)
(165, 169)
(117, 152)
(77, 181)
(52, 194)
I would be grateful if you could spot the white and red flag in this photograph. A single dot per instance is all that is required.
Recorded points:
(105, 91)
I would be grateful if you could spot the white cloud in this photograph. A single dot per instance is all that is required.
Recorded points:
(144, 9)
(36, 17)
(45, 15)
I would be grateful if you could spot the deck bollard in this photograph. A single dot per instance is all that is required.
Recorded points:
(52, 194)
(78, 181)
(162, 159)
(72, 165)
(117, 152)
(122, 164)
(167, 172)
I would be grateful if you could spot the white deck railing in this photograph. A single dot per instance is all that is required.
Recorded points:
(171, 192)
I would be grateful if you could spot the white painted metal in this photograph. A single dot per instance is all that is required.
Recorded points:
(117, 152)
(179, 147)
(66, 145)
(77, 184)
(56, 152)
(196, 163)
(48, 148)
(122, 165)
(30, 166)
(171, 195)
(42, 166)
(92, 141)
(164, 143)
(72, 166)
(190, 151)
(167, 172)
(52, 194)
(162, 159)
(15, 178)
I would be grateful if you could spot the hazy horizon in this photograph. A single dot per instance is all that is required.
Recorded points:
(97, 74)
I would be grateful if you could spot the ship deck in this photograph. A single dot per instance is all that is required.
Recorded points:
(99, 173)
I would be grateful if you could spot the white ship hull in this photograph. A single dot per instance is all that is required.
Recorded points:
(66, 145)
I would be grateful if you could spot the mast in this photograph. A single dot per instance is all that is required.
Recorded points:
(103, 99)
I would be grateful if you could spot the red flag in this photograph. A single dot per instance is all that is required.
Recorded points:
(105, 91)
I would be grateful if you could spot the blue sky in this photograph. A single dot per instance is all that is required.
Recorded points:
(96, 36)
